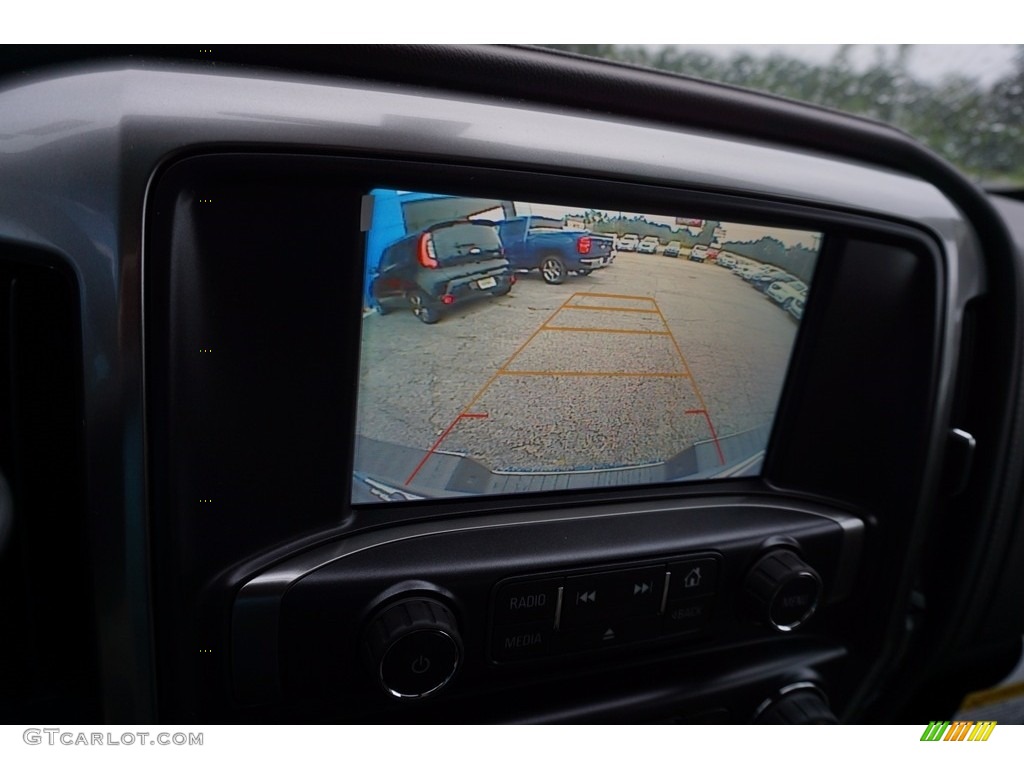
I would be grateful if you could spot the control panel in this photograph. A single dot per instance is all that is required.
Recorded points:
(451, 608)
(581, 611)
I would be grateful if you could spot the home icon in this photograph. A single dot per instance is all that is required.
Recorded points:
(692, 578)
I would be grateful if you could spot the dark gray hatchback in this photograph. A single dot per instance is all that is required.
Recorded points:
(446, 264)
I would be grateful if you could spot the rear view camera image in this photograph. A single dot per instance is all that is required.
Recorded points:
(514, 347)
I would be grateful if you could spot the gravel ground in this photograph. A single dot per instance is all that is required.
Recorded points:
(418, 379)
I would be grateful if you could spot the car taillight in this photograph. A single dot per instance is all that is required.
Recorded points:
(447, 299)
(583, 245)
(427, 255)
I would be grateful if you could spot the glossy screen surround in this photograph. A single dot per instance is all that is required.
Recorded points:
(517, 347)
(255, 330)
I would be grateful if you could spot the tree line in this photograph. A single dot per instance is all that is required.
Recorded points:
(797, 260)
(978, 128)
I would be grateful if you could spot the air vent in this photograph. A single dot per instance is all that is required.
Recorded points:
(45, 598)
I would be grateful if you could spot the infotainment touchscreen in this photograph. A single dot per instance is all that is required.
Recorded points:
(515, 347)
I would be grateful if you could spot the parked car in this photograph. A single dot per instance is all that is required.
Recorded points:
(746, 271)
(762, 280)
(532, 242)
(725, 260)
(699, 253)
(796, 307)
(673, 248)
(629, 242)
(432, 270)
(649, 244)
(783, 292)
(765, 275)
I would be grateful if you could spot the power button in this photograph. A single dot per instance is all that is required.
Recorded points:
(415, 647)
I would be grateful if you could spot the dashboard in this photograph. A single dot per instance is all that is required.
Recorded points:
(341, 386)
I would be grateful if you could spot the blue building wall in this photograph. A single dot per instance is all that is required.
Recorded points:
(387, 224)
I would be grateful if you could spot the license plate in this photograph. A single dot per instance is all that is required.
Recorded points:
(487, 282)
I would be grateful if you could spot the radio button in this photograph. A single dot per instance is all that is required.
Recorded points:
(524, 602)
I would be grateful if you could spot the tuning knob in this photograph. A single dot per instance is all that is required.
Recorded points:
(413, 647)
(783, 590)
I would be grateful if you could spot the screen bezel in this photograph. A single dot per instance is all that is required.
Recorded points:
(349, 179)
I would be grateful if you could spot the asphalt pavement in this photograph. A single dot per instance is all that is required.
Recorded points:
(626, 367)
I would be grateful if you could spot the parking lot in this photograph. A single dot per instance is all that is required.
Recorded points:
(626, 367)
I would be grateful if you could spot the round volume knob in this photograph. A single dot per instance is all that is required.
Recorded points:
(783, 590)
(414, 647)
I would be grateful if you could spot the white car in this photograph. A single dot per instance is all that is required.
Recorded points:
(796, 308)
(649, 244)
(628, 243)
(764, 272)
(785, 293)
(699, 253)
(725, 260)
(746, 272)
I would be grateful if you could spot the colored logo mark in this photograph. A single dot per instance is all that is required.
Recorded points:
(944, 730)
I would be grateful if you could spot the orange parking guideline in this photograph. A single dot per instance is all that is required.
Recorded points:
(606, 330)
(693, 383)
(503, 369)
(613, 309)
(513, 356)
(627, 374)
(615, 296)
(480, 392)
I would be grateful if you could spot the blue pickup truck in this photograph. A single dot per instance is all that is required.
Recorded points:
(533, 242)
